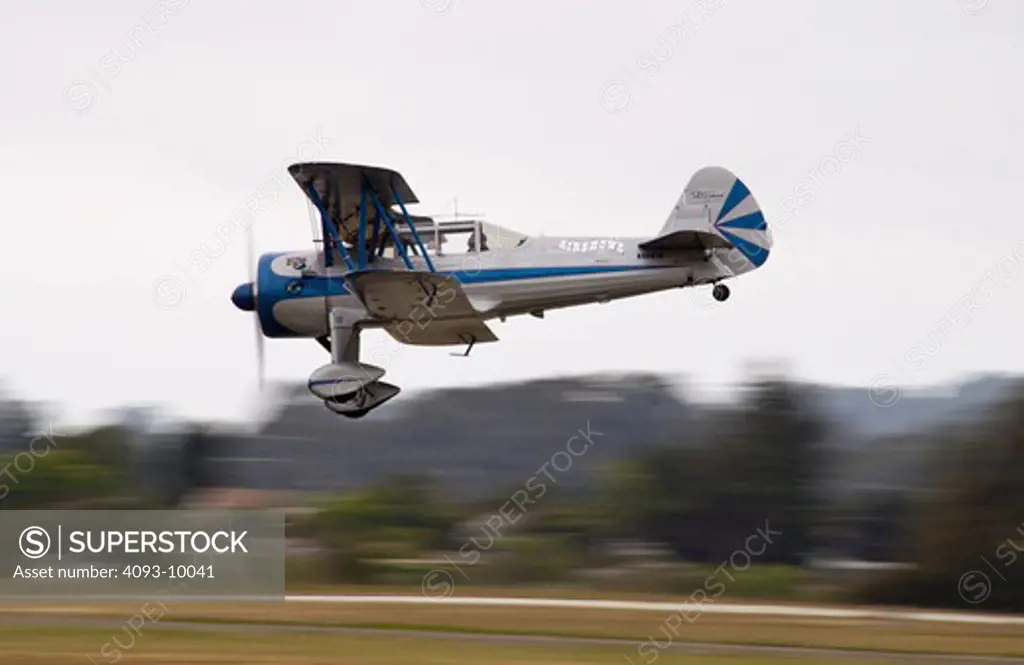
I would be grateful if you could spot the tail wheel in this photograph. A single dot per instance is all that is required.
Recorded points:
(720, 292)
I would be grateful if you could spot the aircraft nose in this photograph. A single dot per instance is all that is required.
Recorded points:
(243, 297)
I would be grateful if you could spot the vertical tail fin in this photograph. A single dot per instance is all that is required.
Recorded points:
(718, 209)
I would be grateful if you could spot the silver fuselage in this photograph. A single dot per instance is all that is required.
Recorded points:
(540, 274)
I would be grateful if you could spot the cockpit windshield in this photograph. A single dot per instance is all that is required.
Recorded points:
(480, 237)
(499, 237)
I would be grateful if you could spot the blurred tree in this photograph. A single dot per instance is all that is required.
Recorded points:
(579, 524)
(18, 421)
(390, 518)
(534, 559)
(107, 446)
(757, 466)
(870, 525)
(59, 479)
(968, 538)
(768, 468)
(653, 497)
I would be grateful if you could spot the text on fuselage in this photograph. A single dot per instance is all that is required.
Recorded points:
(592, 246)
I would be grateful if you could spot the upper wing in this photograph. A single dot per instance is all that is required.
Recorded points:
(339, 187)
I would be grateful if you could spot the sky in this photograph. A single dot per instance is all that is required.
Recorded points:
(882, 140)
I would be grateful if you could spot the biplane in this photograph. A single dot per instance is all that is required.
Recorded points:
(426, 282)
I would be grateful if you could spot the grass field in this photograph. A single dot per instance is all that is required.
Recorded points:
(282, 626)
(66, 646)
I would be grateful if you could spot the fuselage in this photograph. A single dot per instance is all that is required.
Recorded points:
(295, 289)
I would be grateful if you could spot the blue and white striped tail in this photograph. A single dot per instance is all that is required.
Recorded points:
(715, 197)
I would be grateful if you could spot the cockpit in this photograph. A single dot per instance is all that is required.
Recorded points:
(466, 237)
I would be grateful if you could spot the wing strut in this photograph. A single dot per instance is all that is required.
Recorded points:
(362, 229)
(364, 251)
(412, 227)
(382, 216)
(329, 229)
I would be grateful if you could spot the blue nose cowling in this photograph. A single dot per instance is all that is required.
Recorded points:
(243, 297)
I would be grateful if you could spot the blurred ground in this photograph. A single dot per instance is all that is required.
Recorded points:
(314, 633)
(225, 647)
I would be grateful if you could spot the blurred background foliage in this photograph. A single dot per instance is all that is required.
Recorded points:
(886, 505)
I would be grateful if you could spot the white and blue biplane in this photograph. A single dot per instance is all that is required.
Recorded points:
(378, 266)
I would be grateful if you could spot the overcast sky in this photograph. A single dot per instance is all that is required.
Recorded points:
(882, 139)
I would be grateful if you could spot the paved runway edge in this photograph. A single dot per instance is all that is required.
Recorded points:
(805, 611)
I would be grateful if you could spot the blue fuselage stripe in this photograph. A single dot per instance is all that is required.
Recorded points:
(336, 285)
(273, 288)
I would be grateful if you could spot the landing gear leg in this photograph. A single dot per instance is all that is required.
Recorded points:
(344, 343)
(344, 336)
(355, 388)
(344, 376)
(720, 292)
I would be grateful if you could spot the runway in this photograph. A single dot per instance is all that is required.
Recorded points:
(765, 610)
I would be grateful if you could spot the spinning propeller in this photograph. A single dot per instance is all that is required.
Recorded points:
(246, 297)
(322, 247)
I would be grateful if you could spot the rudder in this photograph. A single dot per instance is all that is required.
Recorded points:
(717, 202)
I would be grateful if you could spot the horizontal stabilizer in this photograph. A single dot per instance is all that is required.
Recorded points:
(686, 240)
